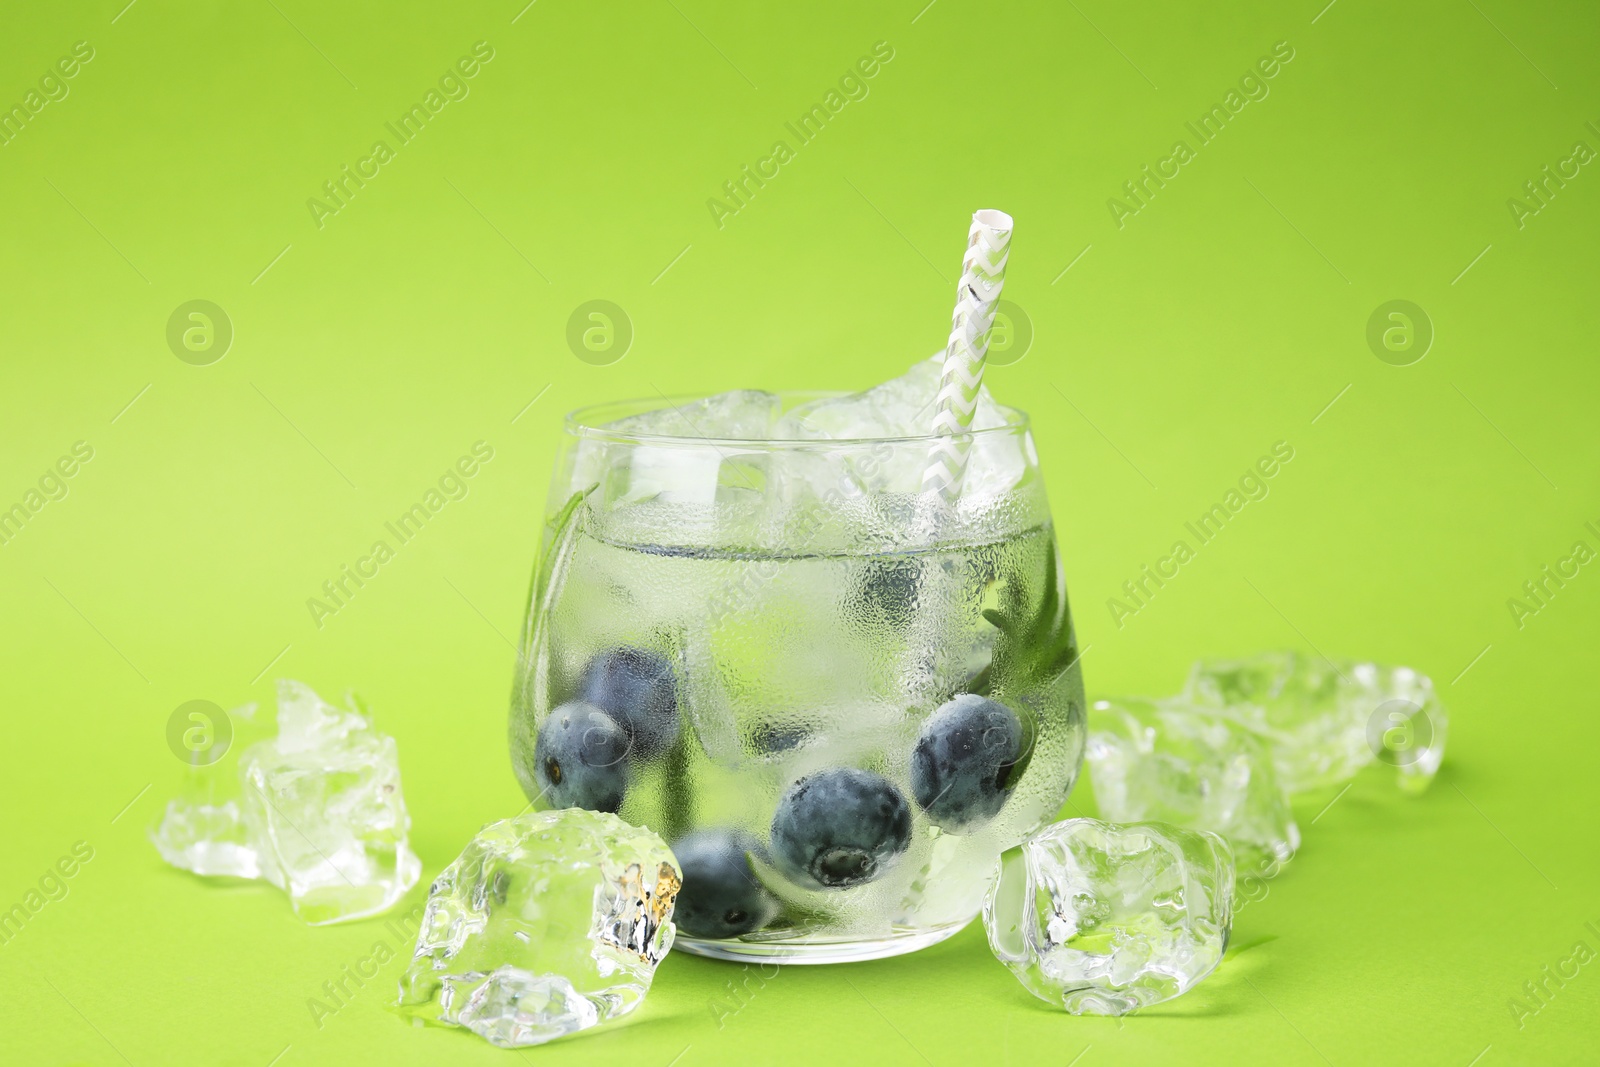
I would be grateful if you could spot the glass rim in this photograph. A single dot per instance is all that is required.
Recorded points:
(583, 422)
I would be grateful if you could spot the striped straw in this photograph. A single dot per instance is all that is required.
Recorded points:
(983, 272)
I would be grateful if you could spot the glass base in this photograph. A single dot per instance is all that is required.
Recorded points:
(819, 949)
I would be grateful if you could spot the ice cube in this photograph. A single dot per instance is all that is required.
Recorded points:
(317, 811)
(306, 722)
(673, 474)
(1172, 762)
(738, 415)
(1104, 918)
(1325, 720)
(996, 465)
(324, 800)
(693, 471)
(546, 924)
(203, 829)
(900, 407)
(688, 472)
(207, 838)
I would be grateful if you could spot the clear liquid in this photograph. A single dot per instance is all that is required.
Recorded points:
(786, 666)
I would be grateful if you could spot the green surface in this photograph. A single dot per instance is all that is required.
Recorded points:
(1228, 313)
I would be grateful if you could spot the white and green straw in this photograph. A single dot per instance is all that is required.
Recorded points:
(983, 273)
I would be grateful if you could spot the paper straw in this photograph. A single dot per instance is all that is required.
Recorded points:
(983, 272)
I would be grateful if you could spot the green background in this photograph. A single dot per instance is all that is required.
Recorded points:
(1229, 313)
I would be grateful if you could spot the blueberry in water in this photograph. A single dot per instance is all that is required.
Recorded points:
(637, 689)
(963, 760)
(840, 828)
(581, 758)
(720, 897)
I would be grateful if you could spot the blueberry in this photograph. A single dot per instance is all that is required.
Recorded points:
(580, 759)
(963, 759)
(637, 688)
(720, 897)
(840, 828)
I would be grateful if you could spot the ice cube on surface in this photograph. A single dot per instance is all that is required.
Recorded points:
(546, 924)
(203, 829)
(317, 810)
(208, 839)
(1172, 762)
(324, 799)
(306, 722)
(1325, 720)
(1104, 919)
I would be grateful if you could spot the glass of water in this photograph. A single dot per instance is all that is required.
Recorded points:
(837, 697)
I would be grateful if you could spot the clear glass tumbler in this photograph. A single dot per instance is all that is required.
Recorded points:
(838, 698)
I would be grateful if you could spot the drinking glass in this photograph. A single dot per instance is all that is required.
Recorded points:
(837, 697)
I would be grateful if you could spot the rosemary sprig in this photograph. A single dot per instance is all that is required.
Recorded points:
(1032, 649)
